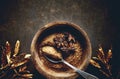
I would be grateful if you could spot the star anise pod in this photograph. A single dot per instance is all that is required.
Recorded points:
(64, 42)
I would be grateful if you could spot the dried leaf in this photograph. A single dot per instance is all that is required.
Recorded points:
(101, 55)
(109, 55)
(27, 75)
(105, 73)
(19, 63)
(3, 58)
(94, 63)
(17, 46)
(27, 56)
(15, 63)
(25, 71)
(101, 50)
(95, 58)
(8, 51)
(103, 61)
(22, 76)
(22, 68)
(20, 60)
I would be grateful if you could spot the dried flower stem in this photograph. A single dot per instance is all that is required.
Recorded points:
(15, 62)
(101, 60)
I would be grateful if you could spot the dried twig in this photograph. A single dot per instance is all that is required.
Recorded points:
(102, 62)
(15, 62)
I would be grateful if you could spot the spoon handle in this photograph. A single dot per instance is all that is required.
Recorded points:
(82, 73)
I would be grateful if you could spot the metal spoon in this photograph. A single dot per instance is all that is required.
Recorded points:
(82, 73)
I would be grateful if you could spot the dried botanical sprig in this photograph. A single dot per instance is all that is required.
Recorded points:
(19, 60)
(109, 55)
(24, 76)
(17, 46)
(94, 63)
(101, 55)
(8, 52)
(22, 68)
(102, 61)
(15, 62)
(106, 74)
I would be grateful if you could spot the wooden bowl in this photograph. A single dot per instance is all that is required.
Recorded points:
(59, 27)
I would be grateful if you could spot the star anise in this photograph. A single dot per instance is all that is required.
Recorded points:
(64, 42)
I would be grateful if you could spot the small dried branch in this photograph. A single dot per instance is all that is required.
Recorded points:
(106, 74)
(15, 62)
(22, 76)
(94, 63)
(18, 61)
(21, 69)
(102, 62)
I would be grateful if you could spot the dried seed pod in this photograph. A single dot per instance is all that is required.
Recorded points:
(21, 69)
(94, 63)
(95, 58)
(19, 60)
(101, 55)
(23, 76)
(17, 46)
(15, 63)
(106, 74)
(101, 50)
(8, 51)
(103, 60)
(27, 75)
(51, 51)
(109, 55)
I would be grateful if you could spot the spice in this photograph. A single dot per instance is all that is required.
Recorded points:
(102, 62)
(51, 52)
(65, 42)
(14, 63)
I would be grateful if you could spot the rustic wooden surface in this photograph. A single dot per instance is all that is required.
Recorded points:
(21, 19)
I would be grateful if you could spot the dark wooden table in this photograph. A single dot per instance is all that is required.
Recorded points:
(21, 19)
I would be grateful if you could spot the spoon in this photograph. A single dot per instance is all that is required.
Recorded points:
(82, 73)
(50, 51)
